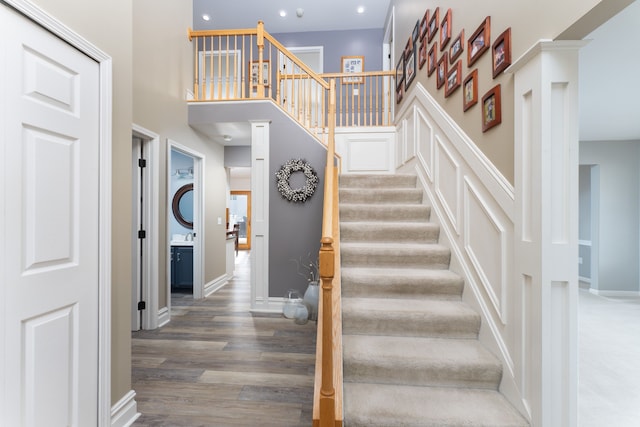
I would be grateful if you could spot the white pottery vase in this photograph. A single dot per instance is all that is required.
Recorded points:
(311, 298)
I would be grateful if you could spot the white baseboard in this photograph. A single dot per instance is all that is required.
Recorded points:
(614, 293)
(125, 411)
(215, 284)
(163, 316)
(272, 305)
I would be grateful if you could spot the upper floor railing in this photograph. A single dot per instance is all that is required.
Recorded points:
(250, 64)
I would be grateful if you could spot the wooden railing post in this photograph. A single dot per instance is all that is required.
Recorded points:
(327, 389)
(260, 42)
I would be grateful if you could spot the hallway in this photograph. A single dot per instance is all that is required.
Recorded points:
(216, 364)
(609, 366)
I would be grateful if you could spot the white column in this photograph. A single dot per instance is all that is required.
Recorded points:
(546, 235)
(260, 179)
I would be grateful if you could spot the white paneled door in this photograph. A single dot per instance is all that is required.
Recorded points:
(49, 225)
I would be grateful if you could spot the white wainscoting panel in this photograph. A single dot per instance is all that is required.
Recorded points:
(425, 142)
(366, 149)
(448, 182)
(486, 244)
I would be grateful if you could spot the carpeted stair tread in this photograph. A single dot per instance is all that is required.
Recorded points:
(409, 317)
(393, 254)
(389, 232)
(381, 196)
(419, 361)
(401, 283)
(377, 181)
(409, 406)
(394, 212)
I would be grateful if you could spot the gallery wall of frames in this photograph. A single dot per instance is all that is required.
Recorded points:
(435, 49)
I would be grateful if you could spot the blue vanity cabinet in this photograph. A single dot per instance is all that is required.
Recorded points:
(181, 267)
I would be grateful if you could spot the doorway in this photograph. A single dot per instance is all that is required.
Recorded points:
(240, 215)
(184, 221)
(145, 193)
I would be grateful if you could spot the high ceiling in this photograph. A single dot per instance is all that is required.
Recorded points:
(608, 64)
(317, 15)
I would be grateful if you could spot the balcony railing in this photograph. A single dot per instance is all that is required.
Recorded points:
(251, 64)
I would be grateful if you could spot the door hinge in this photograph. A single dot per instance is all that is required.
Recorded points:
(142, 234)
(142, 305)
(142, 163)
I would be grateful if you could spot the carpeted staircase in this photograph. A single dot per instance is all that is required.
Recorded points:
(411, 353)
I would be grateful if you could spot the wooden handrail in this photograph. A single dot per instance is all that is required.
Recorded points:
(327, 410)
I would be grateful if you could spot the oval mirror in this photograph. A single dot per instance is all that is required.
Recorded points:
(182, 206)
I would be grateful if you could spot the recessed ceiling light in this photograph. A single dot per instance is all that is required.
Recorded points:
(360, 9)
(283, 13)
(206, 17)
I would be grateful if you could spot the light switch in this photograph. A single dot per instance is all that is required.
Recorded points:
(219, 221)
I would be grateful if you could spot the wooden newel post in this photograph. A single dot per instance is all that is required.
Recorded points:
(260, 42)
(326, 263)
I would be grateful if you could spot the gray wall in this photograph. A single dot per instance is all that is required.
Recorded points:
(295, 229)
(584, 226)
(367, 43)
(237, 156)
(619, 212)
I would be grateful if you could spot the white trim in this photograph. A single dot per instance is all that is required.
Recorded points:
(309, 49)
(164, 316)
(260, 184)
(544, 45)
(215, 284)
(270, 305)
(104, 61)
(198, 216)
(614, 293)
(151, 141)
(584, 242)
(125, 411)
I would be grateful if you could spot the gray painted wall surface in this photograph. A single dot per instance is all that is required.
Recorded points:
(619, 210)
(584, 223)
(367, 43)
(237, 156)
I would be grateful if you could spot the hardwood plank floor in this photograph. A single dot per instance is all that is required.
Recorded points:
(217, 364)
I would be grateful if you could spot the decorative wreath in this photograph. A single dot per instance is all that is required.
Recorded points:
(299, 194)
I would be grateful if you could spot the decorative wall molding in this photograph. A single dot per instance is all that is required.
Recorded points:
(474, 205)
(163, 316)
(366, 149)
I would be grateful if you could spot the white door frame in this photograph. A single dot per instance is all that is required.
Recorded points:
(51, 24)
(198, 215)
(151, 243)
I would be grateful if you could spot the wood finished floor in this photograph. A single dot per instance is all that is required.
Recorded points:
(216, 364)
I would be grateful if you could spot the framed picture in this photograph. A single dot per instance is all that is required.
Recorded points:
(433, 24)
(424, 24)
(454, 77)
(352, 64)
(491, 109)
(399, 95)
(400, 72)
(432, 59)
(445, 30)
(409, 69)
(501, 52)
(416, 32)
(470, 90)
(408, 47)
(456, 47)
(253, 72)
(441, 70)
(479, 41)
(422, 56)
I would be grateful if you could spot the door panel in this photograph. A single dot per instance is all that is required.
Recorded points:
(49, 139)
